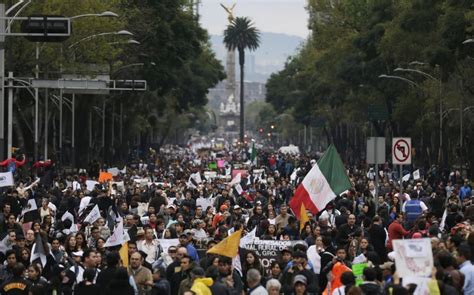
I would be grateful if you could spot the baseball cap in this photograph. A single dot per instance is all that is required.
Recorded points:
(236, 207)
(198, 271)
(223, 207)
(188, 232)
(300, 279)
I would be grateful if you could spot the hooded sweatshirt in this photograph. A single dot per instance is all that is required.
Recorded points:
(201, 286)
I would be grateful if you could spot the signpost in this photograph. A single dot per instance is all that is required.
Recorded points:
(376, 155)
(401, 155)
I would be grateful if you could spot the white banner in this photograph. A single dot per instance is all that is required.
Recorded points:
(6, 179)
(117, 238)
(114, 171)
(83, 205)
(203, 202)
(166, 243)
(91, 184)
(210, 174)
(93, 215)
(267, 250)
(30, 206)
(416, 174)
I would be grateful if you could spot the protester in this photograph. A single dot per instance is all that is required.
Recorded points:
(171, 217)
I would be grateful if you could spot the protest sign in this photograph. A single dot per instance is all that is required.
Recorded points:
(358, 271)
(166, 243)
(203, 202)
(6, 179)
(91, 184)
(268, 250)
(210, 175)
(413, 257)
(243, 173)
(105, 176)
(220, 163)
(93, 215)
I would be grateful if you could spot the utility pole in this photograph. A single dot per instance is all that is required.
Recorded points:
(2, 78)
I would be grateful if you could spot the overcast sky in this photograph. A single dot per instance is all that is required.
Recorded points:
(277, 16)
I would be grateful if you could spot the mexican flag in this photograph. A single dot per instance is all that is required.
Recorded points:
(253, 154)
(323, 182)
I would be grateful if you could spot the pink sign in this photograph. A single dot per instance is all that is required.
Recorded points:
(220, 163)
(243, 173)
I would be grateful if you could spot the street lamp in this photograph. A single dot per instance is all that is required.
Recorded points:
(120, 33)
(400, 78)
(440, 85)
(129, 41)
(103, 14)
(468, 41)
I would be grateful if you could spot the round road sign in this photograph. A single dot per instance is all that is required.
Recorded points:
(401, 150)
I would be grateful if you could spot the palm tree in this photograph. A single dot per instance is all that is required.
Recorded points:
(241, 34)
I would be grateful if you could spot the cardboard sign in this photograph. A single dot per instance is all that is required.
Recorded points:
(413, 257)
(105, 176)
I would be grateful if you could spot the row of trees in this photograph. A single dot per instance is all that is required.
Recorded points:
(333, 83)
(174, 56)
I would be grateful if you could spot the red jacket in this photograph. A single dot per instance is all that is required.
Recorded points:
(42, 164)
(395, 232)
(17, 163)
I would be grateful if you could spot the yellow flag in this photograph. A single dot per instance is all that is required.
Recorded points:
(229, 246)
(124, 254)
(303, 216)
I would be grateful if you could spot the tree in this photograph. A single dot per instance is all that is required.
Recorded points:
(241, 34)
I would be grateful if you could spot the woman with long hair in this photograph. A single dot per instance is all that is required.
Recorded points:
(47, 224)
(306, 232)
(70, 244)
(275, 271)
(270, 233)
(24, 257)
(36, 226)
(251, 261)
(34, 275)
(81, 242)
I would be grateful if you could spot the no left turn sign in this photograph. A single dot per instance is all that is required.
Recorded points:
(401, 150)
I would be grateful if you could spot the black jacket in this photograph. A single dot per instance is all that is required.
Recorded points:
(83, 289)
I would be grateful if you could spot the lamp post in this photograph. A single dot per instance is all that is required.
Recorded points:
(36, 139)
(440, 85)
(114, 74)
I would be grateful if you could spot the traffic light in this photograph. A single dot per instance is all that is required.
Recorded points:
(260, 130)
(137, 85)
(46, 28)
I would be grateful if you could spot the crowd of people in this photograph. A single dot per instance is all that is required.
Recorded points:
(47, 248)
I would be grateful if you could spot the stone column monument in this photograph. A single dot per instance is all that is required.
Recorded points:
(230, 109)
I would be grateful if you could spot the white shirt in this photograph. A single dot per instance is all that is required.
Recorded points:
(152, 250)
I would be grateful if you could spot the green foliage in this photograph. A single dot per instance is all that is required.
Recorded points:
(335, 76)
(174, 54)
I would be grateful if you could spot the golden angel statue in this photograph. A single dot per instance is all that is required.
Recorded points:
(230, 11)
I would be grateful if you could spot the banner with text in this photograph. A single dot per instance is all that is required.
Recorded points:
(267, 250)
